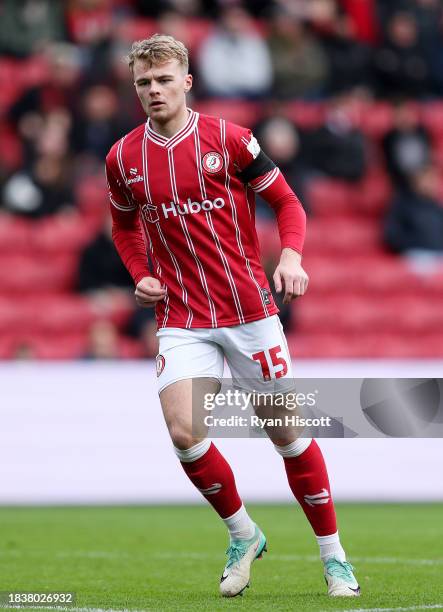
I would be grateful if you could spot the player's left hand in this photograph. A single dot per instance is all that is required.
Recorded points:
(290, 276)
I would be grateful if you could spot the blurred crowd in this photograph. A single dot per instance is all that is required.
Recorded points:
(66, 96)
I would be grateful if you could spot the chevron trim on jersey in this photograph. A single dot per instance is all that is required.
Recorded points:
(170, 143)
(266, 181)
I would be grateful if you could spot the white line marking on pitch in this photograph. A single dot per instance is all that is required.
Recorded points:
(308, 558)
(101, 554)
(424, 607)
(72, 609)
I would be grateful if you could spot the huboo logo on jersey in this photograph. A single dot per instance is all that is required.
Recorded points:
(150, 211)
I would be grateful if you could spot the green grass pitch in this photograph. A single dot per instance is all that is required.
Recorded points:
(171, 557)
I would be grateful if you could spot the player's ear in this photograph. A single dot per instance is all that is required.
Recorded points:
(188, 82)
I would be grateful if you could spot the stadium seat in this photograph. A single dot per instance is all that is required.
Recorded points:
(67, 233)
(15, 234)
(330, 197)
(241, 112)
(333, 275)
(45, 274)
(63, 346)
(306, 115)
(343, 235)
(373, 193)
(363, 345)
(432, 117)
(197, 30)
(268, 237)
(10, 146)
(375, 119)
(7, 347)
(10, 315)
(92, 200)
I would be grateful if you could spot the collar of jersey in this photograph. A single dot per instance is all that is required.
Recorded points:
(170, 143)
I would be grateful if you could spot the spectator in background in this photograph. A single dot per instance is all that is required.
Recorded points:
(60, 87)
(234, 61)
(350, 60)
(100, 267)
(58, 94)
(123, 88)
(363, 20)
(103, 341)
(407, 146)
(102, 275)
(429, 17)
(174, 24)
(153, 8)
(26, 26)
(400, 63)
(281, 141)
(41, 191)
(299, 63)
(414, 223)
(337, 148)
(316, 12)
(89, 24)
(143, 327)
(150, 8)
(98, 124)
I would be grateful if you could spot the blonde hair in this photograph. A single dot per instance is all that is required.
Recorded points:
(158, 49)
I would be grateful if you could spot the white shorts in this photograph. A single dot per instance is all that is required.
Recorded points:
(256, 352)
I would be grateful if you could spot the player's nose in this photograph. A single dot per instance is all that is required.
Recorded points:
(154, 89)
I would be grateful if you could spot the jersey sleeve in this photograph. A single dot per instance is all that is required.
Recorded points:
(253, 166)
(119, 196)
(126, 229)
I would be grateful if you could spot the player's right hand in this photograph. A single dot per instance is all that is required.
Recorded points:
(149, 291)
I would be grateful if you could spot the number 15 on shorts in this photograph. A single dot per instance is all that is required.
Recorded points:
(271, 359)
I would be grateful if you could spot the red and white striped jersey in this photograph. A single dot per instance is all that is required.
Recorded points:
(197, 217)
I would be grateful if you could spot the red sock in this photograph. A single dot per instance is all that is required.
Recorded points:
(308, 479)
(213, 477)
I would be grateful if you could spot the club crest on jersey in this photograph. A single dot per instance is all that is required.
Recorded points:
(212, 162)
(160, 364)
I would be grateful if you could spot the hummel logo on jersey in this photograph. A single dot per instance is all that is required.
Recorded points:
(136, 179)
(318, 498)
(212, 490)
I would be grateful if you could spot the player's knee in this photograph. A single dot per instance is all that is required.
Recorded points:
(181, 438)
(283, 440)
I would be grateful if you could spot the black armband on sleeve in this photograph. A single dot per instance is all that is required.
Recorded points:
(258, 166)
